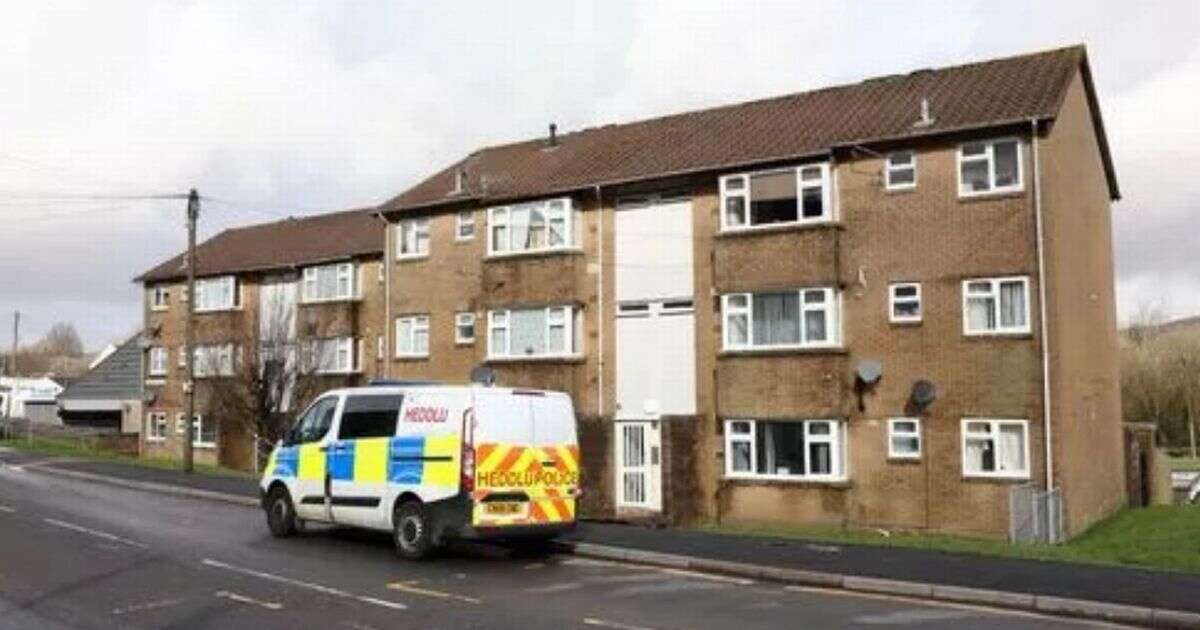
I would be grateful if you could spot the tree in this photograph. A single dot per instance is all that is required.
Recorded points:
(61, 340)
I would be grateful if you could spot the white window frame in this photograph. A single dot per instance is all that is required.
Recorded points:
(890, 168)
(197, 431)
(998, 308)
(989, 156)
(894, 299)
(420, 228)
(416, 323)
(156, 426)
(566, 317)
(201, 360)
(206, 304)
(826, 183)
(345, 346)
(158, 358)
(893, 433)
(461, 321)
(345, 271)
(160, 298)
(502, 217)
(993, 435)
(836, 438)
(464, 219)
(833, 321)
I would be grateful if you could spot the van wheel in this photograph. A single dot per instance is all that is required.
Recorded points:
(411, 531)
(281, 515)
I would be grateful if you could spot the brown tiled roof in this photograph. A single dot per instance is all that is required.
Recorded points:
(973, 96)
(281, 244)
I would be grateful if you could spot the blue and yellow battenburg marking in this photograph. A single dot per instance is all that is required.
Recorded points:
(412, 460)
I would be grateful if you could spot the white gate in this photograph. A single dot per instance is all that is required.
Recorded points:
(639, 468)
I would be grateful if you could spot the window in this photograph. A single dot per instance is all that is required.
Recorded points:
(412, 336)
(464, 328)
(464, 226)
(413, 241)
(996, 306)
(904, 438)
(795, 449)
(213, 360)
(330, 282)
(315, 423)
(535, 332)
(790, 319)
(904, 302)
(204, 434)
(995, 448)
(156, 426)
(989, 167)
(332, 356)
(531, 227)
(158, 361)
(369, 417)
(216, 294)
(901, 171)
(160, 298)
(794, 195)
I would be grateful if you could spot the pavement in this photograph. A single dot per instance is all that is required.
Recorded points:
(732, 554)
(76, 553)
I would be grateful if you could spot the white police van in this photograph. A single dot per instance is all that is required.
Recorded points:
(428, 462)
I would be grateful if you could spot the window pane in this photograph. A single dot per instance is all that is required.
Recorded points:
(975, 176)
(740, 454)
(735, 183)
(1012, 304)
(1005, 155)
(983, 287)
(906, 426)
(776, 319)
(738, 334)
(901, 176)
(780, 448)
(736, 301)
(1011, 456)
(810, 174)
(369, 417)
(421, 341)
(900, 159)
(773, 198)
(741, 428)
(906, 308)
(979, 427)
(981, 313)
(979, 456)
(821, 457)
(815, 328)
(819, 428)
(904, 445)
(528, 331)
(904, 291)
(735, 211)
(404, 336)
(976, 148)
(814, 202)
(499, 343)
(536, 238)
(556, 342)
(500, 238)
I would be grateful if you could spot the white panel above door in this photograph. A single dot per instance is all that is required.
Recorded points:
(653, 249)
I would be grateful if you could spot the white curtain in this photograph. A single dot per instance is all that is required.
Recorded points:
(528, 330)
(776, 319)
(981, 313)
(519, 225)
(1011, 455)
(1012, 304)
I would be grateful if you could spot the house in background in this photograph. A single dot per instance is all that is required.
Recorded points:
(109, 395)
(30, 399)
(884, 304)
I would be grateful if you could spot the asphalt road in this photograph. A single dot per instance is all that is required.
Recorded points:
(82, 555)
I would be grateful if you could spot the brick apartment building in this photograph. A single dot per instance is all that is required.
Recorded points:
(303, 297)
(887, 303)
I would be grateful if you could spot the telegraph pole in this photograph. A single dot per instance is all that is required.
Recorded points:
(12, 358)
(189, 389)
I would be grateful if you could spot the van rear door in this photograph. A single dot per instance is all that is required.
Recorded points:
(526, 459)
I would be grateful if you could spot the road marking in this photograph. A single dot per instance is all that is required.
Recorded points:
(592, 621)
(554, 588)
(302, 584)
(94, 532)
(6, 509)
(710, 576)
(161, 603)
(243, 599)
(410, 587)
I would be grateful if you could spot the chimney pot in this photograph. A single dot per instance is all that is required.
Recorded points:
(553, 135)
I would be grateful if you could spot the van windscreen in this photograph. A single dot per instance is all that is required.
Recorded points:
(369, 417)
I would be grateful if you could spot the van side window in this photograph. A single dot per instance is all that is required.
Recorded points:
(369, 417)
(316, 422)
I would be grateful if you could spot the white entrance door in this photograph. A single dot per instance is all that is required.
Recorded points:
(639, 465)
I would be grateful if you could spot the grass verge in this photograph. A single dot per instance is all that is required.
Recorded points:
(1159, 537)
(1184, 463)
(68, 447)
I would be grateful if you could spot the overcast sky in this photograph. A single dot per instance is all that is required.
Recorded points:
(296, 107)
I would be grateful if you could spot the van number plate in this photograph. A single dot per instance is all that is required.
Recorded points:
(503, 508)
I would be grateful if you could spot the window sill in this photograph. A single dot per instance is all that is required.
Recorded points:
(156, 381)
(156, 440)
(903, 190)
(996, 478)
(903, 461)
(837, 484)
(769, 352)
(464, 241)
(348, 300)
(411, 357)
(213, 311)
(413, 258)
(779, 227)
(463, 344)
(905, 323)
(1017, 334)
(205, 447)
(568, 358)
(992, 195)
(541, 253)
(159, 309)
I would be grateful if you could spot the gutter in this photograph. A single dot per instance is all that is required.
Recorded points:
(600, 306)
(387, 297)
(1045, 328)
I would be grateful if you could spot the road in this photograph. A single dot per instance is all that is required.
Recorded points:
(81, 555)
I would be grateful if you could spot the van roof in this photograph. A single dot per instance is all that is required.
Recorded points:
(400, 387)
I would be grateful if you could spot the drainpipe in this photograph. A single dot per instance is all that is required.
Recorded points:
(1045, 329)
(600, 306)
(387, 296)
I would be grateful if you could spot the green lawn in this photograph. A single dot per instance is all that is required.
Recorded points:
(67, 447)
(1184, 463)
(1164, 537)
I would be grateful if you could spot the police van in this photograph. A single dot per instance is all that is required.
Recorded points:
(428, 462)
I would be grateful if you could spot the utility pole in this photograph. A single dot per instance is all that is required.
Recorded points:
(189, 389)
(12, 358)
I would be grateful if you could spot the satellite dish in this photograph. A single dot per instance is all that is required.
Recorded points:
(869, 371)
(923, 394)
(483, 375)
